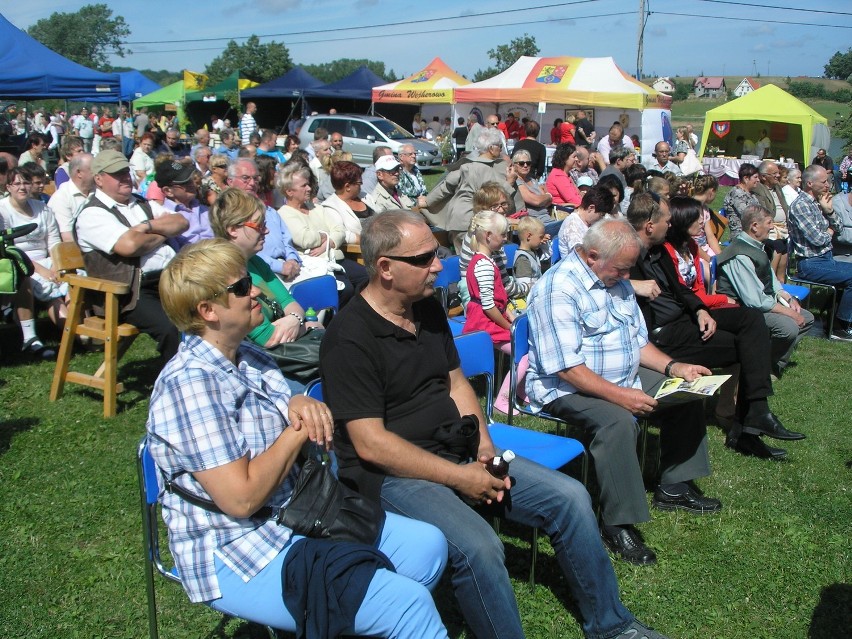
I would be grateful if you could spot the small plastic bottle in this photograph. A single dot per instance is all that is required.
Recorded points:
(499, 466)
(310, 315)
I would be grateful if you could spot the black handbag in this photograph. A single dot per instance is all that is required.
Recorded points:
(323, 508)
(299, 360)
(320, 507)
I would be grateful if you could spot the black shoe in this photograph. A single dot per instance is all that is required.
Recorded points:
(682, 496)
(627, 543)
(754, 446)
(37, 350)
(842, 334)
(770, 425)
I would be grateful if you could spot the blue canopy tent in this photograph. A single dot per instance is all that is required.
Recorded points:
(31, 71)
(358, 85)
(290, 85)
(133, 85)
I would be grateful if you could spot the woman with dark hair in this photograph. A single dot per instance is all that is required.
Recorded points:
(291, 143)
(634, 175)
(681, 246)
(556, 132)
(614, 185)
(346, 204)
(34, 150)
(740, 198)
(703, 189)
(266, 186)
(566, 195)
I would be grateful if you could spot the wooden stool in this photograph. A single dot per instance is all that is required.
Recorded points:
(67, 259)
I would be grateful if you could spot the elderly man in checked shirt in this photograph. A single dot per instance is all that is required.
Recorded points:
(591, 364)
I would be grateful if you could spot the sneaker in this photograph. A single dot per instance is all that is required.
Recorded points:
(638, 630)
(842, 334)
(36, 349)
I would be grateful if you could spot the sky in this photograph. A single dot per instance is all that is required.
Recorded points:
(682, 37)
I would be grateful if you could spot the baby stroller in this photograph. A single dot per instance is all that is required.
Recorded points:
(14, 263)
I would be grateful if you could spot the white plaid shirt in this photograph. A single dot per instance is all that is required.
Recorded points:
(575, 319)
(205, 412)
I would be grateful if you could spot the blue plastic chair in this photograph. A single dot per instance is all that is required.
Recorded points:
(510, 248)
(476, 352)
(799, 292)
(149, 492)
(450, 274)
(555, 255)
(319, 293)
(714, 265)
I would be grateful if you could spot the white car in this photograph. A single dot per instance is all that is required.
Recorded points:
(363, 133)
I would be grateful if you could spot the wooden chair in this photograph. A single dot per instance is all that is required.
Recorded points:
(353, 252)
(67, 259)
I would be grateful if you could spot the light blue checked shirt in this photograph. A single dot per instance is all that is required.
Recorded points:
(575, 319)
(205, 412)
(808, 227)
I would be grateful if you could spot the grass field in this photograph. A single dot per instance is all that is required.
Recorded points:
(774, 564)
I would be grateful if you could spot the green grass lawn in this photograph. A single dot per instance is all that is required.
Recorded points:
(775, 564)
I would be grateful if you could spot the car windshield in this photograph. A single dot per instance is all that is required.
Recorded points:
(392, 130)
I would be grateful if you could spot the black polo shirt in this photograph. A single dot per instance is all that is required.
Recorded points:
(371, 368)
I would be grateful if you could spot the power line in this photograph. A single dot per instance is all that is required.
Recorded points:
(752, 20)
(377, 26)
(751, 5)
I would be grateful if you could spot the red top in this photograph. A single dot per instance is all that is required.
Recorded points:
(475, 317)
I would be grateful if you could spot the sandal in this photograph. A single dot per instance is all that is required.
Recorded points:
(34, 347)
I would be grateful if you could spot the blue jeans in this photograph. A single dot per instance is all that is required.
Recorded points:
(827, 270)
(539, 497)
(397, 604)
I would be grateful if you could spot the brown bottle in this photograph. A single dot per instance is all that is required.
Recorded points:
(499, 466)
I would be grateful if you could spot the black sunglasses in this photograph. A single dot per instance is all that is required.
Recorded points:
(240, 288)
(523, 163)
(423, 259)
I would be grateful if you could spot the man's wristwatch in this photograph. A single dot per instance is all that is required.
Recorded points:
(668, 370)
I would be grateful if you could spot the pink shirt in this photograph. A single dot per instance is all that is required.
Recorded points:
(562, 188)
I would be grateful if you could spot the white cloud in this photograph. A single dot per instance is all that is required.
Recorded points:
(658, 32)
(787, 44)
(758, 30)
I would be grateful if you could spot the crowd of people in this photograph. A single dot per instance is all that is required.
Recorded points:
(210, 239)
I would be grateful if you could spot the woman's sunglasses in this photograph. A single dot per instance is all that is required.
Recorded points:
(240, 288)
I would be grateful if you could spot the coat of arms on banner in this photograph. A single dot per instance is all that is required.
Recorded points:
(721, 129)
(551, 74)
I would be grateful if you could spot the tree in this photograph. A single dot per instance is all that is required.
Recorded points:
(682, 91)
(840, 66)
(255, 61)
(506, 55)
(333, 71)
(87, 37)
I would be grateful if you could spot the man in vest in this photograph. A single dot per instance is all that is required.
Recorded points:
(122, 241)
(745, 274)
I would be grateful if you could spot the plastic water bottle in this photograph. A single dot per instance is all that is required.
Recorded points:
(499, 466)
(310, 315)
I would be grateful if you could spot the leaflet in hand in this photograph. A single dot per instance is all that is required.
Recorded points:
(676, 390)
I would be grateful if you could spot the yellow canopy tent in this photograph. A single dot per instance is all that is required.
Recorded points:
(434, 84)
(795, 129)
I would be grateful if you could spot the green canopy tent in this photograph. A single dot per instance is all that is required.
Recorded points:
(172, 95)
(795, 129)
(203, 103)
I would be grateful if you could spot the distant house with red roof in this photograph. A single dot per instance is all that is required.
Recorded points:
(747, 85)
(709, 87)
(664, 85)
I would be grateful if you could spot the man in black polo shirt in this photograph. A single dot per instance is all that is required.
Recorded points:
(392, 378)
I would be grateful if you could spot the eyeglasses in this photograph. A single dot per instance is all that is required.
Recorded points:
(247, 178)
(421, 260)
(500, 206)
(218, 166)
(240, 288)
(491, 124)
(523, 163)
(409, 153)
(260, 228)
(21, 185)
(392, 171)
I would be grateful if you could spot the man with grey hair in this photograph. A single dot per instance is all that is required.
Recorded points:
(322, 149)
(474, 129)
(411, 179)
(812, 225)
(584, 166)
(201, 138)
(453, 196)
(661, 159)
(278, 250)
(394, 381)
(770, 197)
(70, 197)
(619, 159)
(591, 364)
(173, 145)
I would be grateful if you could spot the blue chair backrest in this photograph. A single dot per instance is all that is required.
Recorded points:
(555, 255)
(723, 213)
(450, 274)
(314, 390)
(520, 337)
(149, 475)
(317, 292)
(476, 351)
(510, 249)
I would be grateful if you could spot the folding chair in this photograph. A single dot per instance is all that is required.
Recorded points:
(510, 249)
(520, 347)
(794, 278)
(476, 352)
(450, 274)
(555, 255)
(319, 293)
(148, 494)
(117, 337)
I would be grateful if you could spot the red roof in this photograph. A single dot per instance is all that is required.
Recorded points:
(710, 83)
(754, 83)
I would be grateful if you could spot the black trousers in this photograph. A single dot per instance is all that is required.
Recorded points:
(741, 337)
(150, 318)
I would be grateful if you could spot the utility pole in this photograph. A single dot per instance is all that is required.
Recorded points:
(640, 48)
